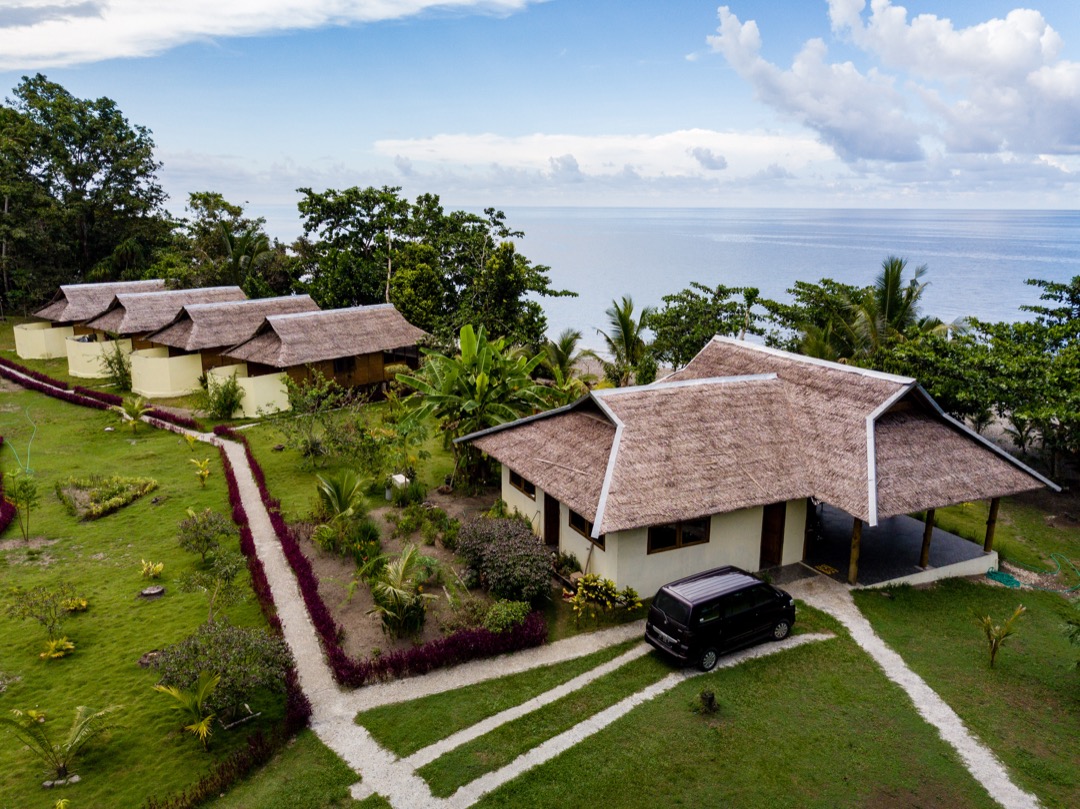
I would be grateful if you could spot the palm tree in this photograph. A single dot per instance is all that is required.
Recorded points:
(242, 252)
(890, 307)
(342, 496)
(625, 344)
(398, 593)
(193, 705)
(561, 358)
(30, 729)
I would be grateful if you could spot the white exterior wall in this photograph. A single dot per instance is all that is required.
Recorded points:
(155, 374)
(794, 532)
(84, 359)
(517, 500)
(603, 562)
(734, 539)
(41, 341)
(262, 394)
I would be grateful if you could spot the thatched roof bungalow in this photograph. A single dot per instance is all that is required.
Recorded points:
(351, 346)
(129, 317)
(63, 317)
(715, 464)
(191, 344)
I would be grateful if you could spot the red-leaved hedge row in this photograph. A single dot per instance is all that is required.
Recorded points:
(7, 509)
(100, 395)
(50, 388)
(458, 647)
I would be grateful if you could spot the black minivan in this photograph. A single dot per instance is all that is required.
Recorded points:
(695, 618)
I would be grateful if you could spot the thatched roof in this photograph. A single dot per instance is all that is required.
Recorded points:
(743, 426)
(140, 313)
(201, 326)
(75, 303)
(287, 341)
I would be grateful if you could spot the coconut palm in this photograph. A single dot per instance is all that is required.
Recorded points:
(243, 251)
(133, 409)
(31, 729)
(890, 308)
(398, 593)
(192, 704)
(561, 358)
(624, 341)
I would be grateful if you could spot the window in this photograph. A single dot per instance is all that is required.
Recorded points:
(518, 482)
(584, 527)
(678, 535)
(344, 365)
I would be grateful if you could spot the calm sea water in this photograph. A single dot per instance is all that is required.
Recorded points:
(977, 260)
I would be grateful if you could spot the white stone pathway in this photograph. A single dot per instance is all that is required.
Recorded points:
(395, 779)
(835, 599)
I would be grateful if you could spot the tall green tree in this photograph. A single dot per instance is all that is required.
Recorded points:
(624, 341)
(83, 198)
(690, 318)
(483, 385)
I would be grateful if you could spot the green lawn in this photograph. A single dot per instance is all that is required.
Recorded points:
(1025, 709)
(306, 772)
(411, 726)
(102, 560)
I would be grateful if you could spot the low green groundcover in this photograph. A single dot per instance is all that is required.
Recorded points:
(96, 496)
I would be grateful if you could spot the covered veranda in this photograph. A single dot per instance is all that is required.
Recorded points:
(898, 549)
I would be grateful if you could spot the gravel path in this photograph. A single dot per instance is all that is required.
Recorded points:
(835, 599)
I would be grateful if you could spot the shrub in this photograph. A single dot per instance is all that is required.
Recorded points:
(203, 532)
(512, 562)
(565, 564)
(224, 397)
(398, 592)
(22, 491)
(247, 660)
(94, 497)
(412, 492)
(596, 595)
(996, 635)
(116, 366)
(46, 605)
(504, 615)
(152, 570)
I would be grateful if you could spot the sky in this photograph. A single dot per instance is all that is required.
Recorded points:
(647, 103)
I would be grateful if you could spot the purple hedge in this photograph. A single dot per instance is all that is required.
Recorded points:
(172, 418)
(50, 388)
(100, 395)
(7, 509)
(459, 647)
(40, 377)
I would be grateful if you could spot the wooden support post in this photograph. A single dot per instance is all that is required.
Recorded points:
(856, 539)
(991, 524)
(928, 532)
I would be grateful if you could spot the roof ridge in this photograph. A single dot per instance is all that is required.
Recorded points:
(836, 366)
(686, 383)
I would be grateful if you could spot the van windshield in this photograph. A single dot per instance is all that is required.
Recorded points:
(676, 610)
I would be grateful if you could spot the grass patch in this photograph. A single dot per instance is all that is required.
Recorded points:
(502, 745)
(816, 726)
(101, 559)
(306, 771)
(1024, 535)
(1025, 709)
(407, 727)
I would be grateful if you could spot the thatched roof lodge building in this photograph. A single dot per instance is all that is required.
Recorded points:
(717, 463)
(351, 346)
(131, 316)
(192, 344)
(72, 306)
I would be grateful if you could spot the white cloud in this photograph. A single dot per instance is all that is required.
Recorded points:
(998, 86)
(684, 153)
(54, 33)
(859, 115)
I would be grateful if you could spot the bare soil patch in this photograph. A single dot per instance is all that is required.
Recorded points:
(363, 632)
(16, 543)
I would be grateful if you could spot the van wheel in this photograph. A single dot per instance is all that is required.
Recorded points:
(707, 661)
(782, 629)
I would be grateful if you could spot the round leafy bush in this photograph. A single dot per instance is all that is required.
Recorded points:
(512, 562)
(504, 615)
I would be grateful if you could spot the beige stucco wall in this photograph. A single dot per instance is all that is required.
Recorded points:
(84, 359)
(262, 394)
(155, 374)
(517, 500)
(41, 341)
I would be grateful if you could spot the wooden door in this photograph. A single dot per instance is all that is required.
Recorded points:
(772, 535)
(551, 520)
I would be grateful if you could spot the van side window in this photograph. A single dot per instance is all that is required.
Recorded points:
(709, 614)
(737, 603)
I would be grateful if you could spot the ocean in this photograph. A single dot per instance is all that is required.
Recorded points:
(977, 260)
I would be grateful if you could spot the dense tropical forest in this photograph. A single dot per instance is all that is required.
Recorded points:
(82, 202)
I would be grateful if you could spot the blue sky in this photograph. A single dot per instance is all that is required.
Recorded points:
(802, 103)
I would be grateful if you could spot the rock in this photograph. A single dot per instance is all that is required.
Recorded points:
(152, 592)
(73, 779)
(110, 429)
(147, 660)
(278, 448)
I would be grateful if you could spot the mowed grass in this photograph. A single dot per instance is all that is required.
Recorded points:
(407, 727)
(1026, 709)
(815, 726)
(502, 745)
(306, 775)
(1023, 535)
(101, 559)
